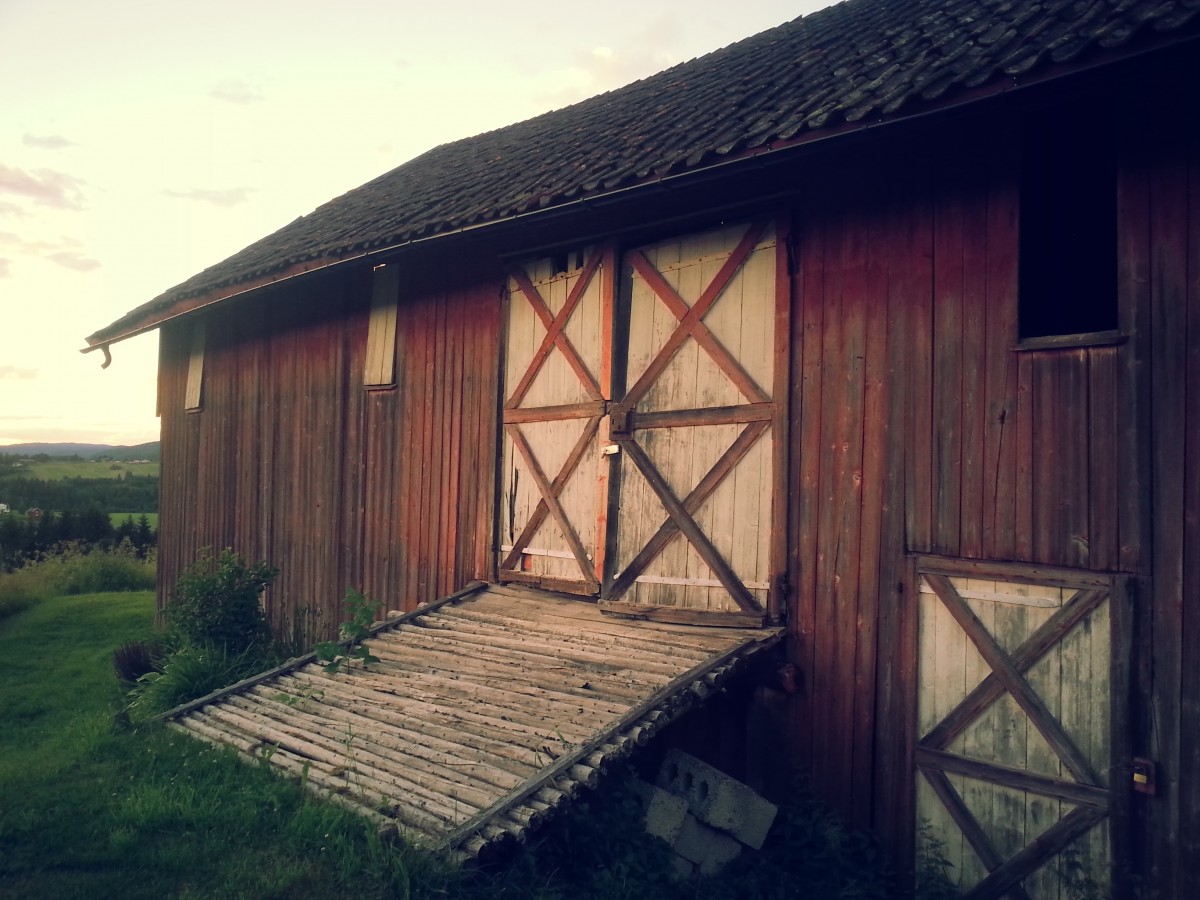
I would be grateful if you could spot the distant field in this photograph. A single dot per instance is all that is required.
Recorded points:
(118, 518)
(55, 470)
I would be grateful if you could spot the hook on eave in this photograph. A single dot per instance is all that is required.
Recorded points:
(107, 356)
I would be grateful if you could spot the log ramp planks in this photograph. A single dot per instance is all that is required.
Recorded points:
(487, 711)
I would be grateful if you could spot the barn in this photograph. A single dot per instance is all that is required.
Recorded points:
(881, 327)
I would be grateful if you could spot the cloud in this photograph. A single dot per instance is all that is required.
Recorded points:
(12, 209)
(65, 252)
(12, 372)
(234, 90)
(642, 53)
(71, 259)
(5, 271)
(44, 186)
(227, 197)
(37, 248)
(46, 142)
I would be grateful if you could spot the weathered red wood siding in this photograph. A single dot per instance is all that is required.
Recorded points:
(291, 460)
(917, 427)
(1160, 202)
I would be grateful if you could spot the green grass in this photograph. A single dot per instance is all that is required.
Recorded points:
(72, 573)
(119, 518)
(65, 468)
(93, 808)
(90, 808)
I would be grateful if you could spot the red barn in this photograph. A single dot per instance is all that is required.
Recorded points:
(883, 324)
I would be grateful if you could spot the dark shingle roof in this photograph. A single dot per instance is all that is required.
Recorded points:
(859, 61)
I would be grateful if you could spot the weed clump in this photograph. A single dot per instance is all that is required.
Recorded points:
(216, 603)
(217, 635)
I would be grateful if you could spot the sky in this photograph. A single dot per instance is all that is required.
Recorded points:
(143, 140)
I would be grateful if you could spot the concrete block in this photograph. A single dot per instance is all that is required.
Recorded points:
(707, 847)
(664, 811)
(716, 799)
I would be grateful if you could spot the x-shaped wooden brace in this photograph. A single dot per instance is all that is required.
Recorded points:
(1006, 675)
(691, 324)
(549, 502)
(680, 516)
(554, 333)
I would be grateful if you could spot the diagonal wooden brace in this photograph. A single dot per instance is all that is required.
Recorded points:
(560, 480)
(1014, 682)
(554, 333)
(550, 497)
(685, 523)
(691, 324)
(691, 503)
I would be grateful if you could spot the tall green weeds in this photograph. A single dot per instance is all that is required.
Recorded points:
(217, 635)
(216, 603)
(72, 571)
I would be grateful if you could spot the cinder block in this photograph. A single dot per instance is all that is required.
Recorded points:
(708, 848)
(716, 799)
(664, 811)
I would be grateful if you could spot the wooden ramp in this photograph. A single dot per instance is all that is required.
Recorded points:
(488, 710)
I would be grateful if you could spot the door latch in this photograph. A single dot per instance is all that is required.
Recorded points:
(1144, 781)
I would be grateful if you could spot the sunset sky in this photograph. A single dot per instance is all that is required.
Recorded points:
(142, 141)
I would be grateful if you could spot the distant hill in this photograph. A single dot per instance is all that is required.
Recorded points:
(87, 451)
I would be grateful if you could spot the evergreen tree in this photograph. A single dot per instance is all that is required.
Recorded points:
(144, 537)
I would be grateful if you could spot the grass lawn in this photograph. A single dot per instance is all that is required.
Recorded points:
(91, 808)
(118, 518)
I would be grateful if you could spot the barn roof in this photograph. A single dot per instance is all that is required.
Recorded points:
(857, 63)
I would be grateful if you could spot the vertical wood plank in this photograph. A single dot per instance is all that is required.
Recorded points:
(1189, 713)
(975, 343)
(1025, 491)
(847, 503)
(806, 456)
(948, 321)
(1168, 324)
(1000, 361)
(1103, 537)
(826, 683)
(874, 472)
(781, 425)
(908, 245)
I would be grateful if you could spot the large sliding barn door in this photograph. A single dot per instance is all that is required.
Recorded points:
(698, 427)
(1019, 709)
(647, 468)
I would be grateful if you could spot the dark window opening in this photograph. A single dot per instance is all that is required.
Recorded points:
(1068, 268)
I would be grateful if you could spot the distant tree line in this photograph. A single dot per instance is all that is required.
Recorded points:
(72, 511)
(22, 538)
(9, 460)
(125, 493)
